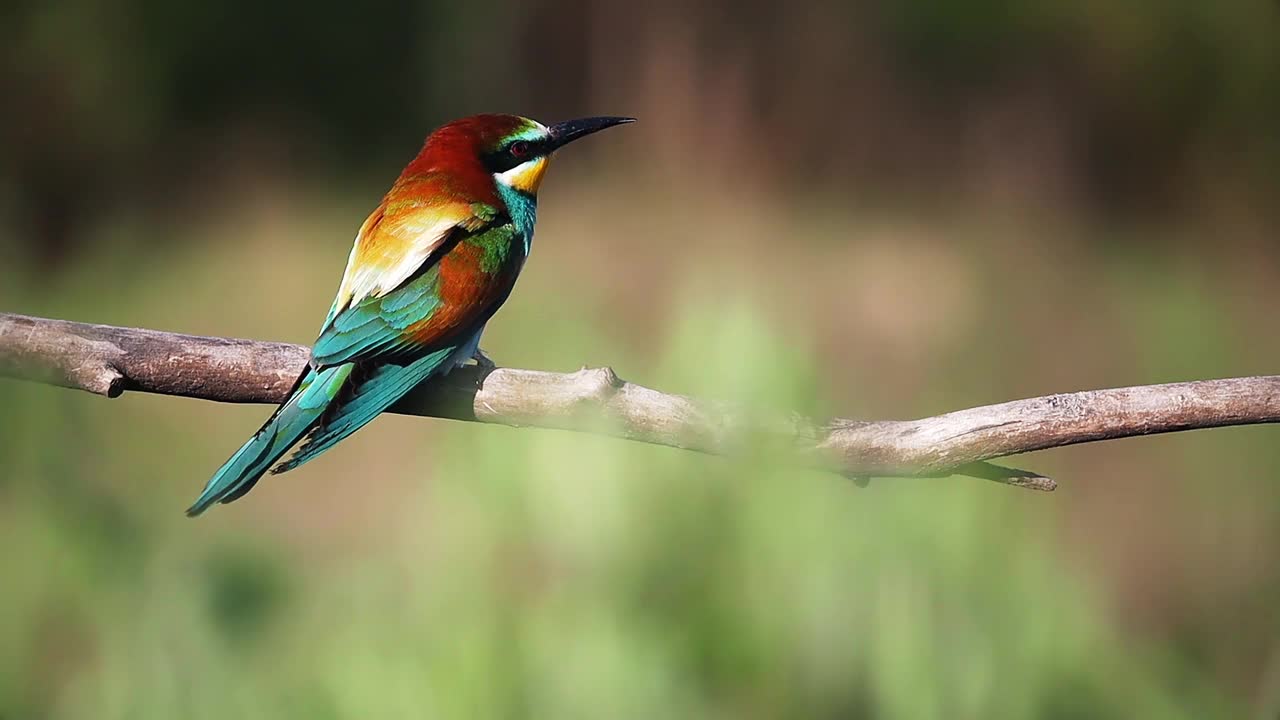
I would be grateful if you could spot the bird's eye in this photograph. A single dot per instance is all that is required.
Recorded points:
(519, 149)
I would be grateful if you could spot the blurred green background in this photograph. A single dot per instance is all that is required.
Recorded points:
(857, 209)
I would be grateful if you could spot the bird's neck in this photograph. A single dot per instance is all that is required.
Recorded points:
(522, 208)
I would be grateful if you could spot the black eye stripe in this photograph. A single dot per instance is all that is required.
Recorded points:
(512, 154)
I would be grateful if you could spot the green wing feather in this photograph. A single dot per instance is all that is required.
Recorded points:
(374, 327)
(367, 398)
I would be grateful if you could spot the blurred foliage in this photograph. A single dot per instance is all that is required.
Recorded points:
(1143, 102)
(863, 209)
(444, 569)
(550, 575)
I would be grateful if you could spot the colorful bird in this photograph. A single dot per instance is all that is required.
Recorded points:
(430, 266)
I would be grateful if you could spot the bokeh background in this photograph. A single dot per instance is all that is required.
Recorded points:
(859, 209)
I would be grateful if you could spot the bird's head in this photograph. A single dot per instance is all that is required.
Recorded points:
(510, 149)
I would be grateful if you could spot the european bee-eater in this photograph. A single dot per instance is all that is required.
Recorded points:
(429, 267)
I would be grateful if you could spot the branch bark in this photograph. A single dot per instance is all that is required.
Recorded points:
(109, 360)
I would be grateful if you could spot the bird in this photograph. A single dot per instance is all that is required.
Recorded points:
(428, 269)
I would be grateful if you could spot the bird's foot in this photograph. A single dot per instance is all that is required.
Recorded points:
(482, 361)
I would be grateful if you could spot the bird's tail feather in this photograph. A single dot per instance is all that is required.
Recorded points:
(365, 398)
(296, 416)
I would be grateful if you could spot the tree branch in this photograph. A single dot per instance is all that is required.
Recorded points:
(110, 360)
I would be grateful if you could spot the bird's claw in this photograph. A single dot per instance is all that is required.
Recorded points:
(482, 361)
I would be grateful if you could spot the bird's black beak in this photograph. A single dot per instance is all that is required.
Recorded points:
(566, 132)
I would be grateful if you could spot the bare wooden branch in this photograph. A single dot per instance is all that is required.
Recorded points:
(110, 360)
